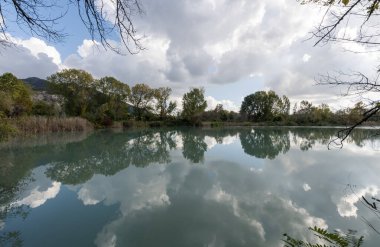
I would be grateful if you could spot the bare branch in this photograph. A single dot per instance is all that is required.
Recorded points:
(34, 16)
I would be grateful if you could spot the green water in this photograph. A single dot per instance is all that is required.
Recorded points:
(186, 187)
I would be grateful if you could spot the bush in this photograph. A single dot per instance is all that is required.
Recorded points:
(42, 108)
(6, 130)
(216, 124)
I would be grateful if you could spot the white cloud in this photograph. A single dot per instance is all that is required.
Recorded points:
(227, 104)
(230, 41)
(37, 198)
(346, 206)
(27, 58)
(37, 46)
(306, 57)
(306, 187)
(85, 196)
(308, 219)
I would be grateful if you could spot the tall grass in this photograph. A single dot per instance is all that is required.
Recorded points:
(42, 124)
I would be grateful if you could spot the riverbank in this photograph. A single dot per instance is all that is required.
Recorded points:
(31, 125)
(34, 125)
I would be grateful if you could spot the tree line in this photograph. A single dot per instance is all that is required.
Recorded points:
(73, 92)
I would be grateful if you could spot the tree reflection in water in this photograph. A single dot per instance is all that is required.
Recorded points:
(8, 210)
(194, 147)
(76, 162)
(118, 151)
(265, 143)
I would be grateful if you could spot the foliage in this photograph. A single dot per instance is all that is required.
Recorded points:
(15, 99)
(100, 101)
(113, 98)
(6, 129)
(163, 106)
(193, 104)
(307, 113)
(43, 108)
(75, 93)
(265, 106)
(218, 114)
(327, 239)
(141, 99)
(75, 86)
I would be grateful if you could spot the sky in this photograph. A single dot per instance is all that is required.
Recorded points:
(231, 48)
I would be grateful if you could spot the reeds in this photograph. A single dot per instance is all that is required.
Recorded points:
(42, 124)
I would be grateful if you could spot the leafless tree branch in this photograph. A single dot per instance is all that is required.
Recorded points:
(34, 16)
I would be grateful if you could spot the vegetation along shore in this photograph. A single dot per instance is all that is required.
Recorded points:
(72, 100)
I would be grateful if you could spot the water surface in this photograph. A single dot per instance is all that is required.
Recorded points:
(186, 187)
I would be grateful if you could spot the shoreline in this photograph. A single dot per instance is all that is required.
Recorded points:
(40, 125)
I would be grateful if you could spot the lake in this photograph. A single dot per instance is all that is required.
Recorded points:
(186, 187)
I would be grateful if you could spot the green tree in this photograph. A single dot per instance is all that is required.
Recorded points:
(15, 99)
(43, 108)
(77, 86)
(264, 106)
(309, 114)
(163, 105)
(324, 112)
(116, 94)
(356, 113)
(220, 113)
(304, 113)
(141, 99)
(193, 104)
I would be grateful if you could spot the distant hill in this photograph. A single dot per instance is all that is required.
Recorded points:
(36, 83)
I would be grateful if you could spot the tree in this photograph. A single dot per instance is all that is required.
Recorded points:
(117, 94)
(141, 99)
(77, 88)
(193, 104)
(35, 17)
(163, 105)
(355, 114)
(364, 15)
(309, 114)
(15, 99)
(264, 106)
(221, 113)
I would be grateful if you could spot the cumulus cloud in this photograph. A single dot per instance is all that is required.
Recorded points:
(227, 104)
(347, 204)
(37, 197)
(32, 57)
(37, 46)
(211, 42)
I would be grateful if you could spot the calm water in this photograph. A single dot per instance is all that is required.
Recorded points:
(186, 187)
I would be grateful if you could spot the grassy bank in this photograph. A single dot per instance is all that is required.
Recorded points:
(39, 124)
(31, 125)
